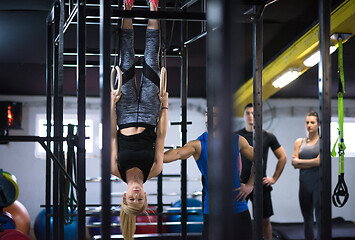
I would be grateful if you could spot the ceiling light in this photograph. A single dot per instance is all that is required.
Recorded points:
(315, 57)
(286, 78)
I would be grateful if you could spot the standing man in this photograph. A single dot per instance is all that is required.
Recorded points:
(269, 141)
(198, 149)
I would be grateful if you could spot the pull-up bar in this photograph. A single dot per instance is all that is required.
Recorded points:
(41, 141)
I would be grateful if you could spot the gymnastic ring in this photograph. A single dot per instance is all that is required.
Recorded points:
(9, 189)
(116, 74)
(163, 77)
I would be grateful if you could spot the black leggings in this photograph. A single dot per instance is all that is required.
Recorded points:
(242, 229)
(309, 199)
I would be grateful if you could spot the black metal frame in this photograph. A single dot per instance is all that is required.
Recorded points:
(218, 37)
(56, 27)
(105, 45)
(324, 83)
(258, 126)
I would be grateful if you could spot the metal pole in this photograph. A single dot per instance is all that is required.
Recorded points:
(49, 79)
(183, 98)
(81, 111)
(324, 83)
(258, 126)
(105, 44)
(160, 202)
(56, 123)
(60, 118)
(222, 75)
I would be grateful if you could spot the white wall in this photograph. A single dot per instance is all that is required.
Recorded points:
(285, 118)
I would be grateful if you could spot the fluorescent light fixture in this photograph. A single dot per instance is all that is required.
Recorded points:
(286, 78)
(315, 57)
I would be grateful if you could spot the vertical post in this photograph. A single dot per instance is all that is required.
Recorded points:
(81, 111)
(105, 49)
(324, 83)
(258, 136)
(183, 98)
(223, 76)
(163, 64)
(56, 121)
(160, 203)
(203, 9)
(60, 129)
(49, 79)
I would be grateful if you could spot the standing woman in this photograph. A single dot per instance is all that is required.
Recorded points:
(306, 158)
(139, 111)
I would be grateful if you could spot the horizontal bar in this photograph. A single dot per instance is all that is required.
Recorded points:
(138, 53)
(94, 4)
(89, 65)
(137, 14)
(120, 194)
(149, 236)
(178, 123)
(32, 139)
(170, 178)
(98, 224)
(90, 205)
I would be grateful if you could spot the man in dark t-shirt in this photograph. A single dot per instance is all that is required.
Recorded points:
(269, 141)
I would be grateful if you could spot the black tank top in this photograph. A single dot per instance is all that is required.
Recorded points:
(136, 151)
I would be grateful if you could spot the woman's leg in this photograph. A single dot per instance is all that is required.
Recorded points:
(152, 42)
(316, 204)
(127, 49)
(149, 107)
(126, 110)
(306, 204)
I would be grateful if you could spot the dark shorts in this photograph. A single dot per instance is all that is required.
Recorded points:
(241, 221)
(267, 204)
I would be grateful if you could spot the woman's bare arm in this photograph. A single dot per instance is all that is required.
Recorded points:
(114, 147)
(161, 133)
(303, 163)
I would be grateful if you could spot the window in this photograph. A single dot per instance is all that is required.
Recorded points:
(41, 130)
(349, 133)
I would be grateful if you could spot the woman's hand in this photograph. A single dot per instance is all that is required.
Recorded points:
(115, 96)
(295, 162)
(163, 99)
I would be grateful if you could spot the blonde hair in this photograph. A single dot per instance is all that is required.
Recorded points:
(128, 218)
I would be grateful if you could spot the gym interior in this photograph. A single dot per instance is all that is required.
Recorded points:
(29, 66)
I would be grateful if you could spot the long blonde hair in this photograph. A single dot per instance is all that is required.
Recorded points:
(128, 218)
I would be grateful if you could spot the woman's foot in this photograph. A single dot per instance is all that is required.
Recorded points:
(153, 5)
(129, 3)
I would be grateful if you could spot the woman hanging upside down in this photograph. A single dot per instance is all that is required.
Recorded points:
(140, 113)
